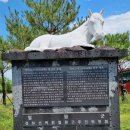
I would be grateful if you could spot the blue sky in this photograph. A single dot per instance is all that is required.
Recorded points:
(111, 7)
(116, 15)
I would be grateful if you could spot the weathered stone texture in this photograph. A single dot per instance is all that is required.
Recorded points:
(43, 117)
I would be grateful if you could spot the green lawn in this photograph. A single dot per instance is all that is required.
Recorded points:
(6, 113)
(125, 114)
(6, 121)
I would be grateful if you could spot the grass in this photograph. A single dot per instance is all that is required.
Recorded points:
(6, 114)
(125, 114)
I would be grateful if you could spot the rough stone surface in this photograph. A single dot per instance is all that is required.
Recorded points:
(69, 57)
(66, 53)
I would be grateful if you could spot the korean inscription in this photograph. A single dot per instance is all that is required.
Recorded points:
(65, 86)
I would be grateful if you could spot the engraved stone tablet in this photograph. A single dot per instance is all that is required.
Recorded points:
(65, 86)
(84, 119)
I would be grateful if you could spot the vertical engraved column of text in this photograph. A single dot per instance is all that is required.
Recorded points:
(86, 84)
(42, 86)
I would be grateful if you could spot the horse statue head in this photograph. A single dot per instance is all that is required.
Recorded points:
(95, 25)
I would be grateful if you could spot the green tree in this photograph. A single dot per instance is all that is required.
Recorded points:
(119, 41)
(8, 85)
(42, 17)
(20, 33)
(4, 66)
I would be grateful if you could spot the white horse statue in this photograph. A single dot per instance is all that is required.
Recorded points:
(88, 32)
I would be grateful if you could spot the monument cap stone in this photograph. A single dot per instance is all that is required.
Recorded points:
(63, 53)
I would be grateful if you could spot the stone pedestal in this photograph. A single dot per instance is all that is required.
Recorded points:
(66, 89)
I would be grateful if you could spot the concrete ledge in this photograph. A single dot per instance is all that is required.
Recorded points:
(66, 53)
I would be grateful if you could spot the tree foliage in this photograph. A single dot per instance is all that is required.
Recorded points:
(4, 66)
(120, 41)
(20, 34)
(53, 16)
(42, 17)
(8, 85)
(4, 46)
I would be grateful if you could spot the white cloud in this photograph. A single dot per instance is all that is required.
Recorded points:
(4, 1)
(117, 23)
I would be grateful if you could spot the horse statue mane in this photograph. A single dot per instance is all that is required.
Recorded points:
(84, 35)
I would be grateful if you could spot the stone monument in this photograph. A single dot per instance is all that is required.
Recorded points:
(68, 85)
(66, 89)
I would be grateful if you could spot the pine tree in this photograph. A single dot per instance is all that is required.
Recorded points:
(42, 17)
